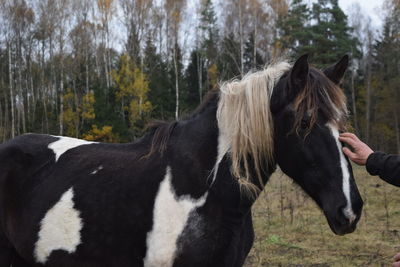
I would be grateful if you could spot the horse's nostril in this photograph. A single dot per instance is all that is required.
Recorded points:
(348, 214)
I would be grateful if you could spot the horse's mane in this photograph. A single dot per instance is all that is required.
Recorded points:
(161, 131)
(320, 95)
(245, 121)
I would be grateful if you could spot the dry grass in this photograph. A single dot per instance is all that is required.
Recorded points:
(292, 231)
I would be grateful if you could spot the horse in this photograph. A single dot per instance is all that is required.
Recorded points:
(181, 195)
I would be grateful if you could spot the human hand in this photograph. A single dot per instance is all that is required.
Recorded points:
(361, 150)
(397, 260)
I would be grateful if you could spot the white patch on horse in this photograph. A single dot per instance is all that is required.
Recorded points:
(64, 144)
(348, 211)
(97, 170)
(170, 215)
(59, 229)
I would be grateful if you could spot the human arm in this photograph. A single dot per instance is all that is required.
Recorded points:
(377, 163)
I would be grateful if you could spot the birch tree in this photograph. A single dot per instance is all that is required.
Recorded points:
(174, 10)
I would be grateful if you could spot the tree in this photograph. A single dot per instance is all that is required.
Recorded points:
(63, 8)
(136, 20)
(206, 49)
(195, 76)
(174, 10)
(104, 134)
(229, 59)
(156, 70)
(133, 87)
(294, 27)
(331, 37)
(386, 74)
(76, 116)
(252, 59)
(106, 9)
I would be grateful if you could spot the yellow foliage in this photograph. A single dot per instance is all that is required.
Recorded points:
(70, 117)
(87, 107)
(105, 134)
(76, 111)
(133, 87)
(105, 5)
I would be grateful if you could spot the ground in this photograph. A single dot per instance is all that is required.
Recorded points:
(292, 231)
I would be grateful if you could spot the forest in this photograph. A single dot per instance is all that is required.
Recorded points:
(104, 69)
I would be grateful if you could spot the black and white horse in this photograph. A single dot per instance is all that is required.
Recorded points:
(182, 194)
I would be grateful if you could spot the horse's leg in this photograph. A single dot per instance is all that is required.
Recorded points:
(246, 241)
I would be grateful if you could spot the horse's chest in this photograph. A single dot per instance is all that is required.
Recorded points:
(175, 219)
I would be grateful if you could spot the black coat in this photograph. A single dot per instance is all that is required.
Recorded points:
(386, 166)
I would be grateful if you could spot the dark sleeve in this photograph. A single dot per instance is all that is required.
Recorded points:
(386, 166)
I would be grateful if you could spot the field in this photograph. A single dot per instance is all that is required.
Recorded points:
(292, 231)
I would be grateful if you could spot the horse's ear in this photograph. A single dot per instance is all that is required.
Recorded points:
(336, 72)
(297, 81)
(299, 75)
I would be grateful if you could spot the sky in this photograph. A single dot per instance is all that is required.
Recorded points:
(373, 8)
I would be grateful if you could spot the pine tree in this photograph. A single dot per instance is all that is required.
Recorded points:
(193, 91)
(386, 71)
(207, 50)
(160, 94)
(294, 28)
(251, 63)
(209, 31)
(330, 34)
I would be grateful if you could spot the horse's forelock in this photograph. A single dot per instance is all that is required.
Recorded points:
(320, 96)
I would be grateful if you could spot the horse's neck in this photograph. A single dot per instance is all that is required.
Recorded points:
(205, 147)
(197, 137)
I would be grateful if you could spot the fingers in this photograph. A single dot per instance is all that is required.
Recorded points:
(349, 140)
(348, 153)
(349, 135)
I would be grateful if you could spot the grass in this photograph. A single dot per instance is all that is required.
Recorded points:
(292, 231)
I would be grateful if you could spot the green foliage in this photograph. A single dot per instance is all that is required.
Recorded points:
(322, 32)
(193, 94)
(160, 93)
(386, 85)
(251, 61)
(295, 29)
(330, 34)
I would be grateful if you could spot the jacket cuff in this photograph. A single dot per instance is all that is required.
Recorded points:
(374, 163)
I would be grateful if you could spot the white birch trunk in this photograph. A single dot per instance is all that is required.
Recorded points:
(11, 92)
(200, 76)
(353, 99)
(176, 84)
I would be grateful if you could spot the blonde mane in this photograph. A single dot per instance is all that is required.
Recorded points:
(245, 122)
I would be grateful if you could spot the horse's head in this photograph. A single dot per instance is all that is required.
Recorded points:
(309, 110)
